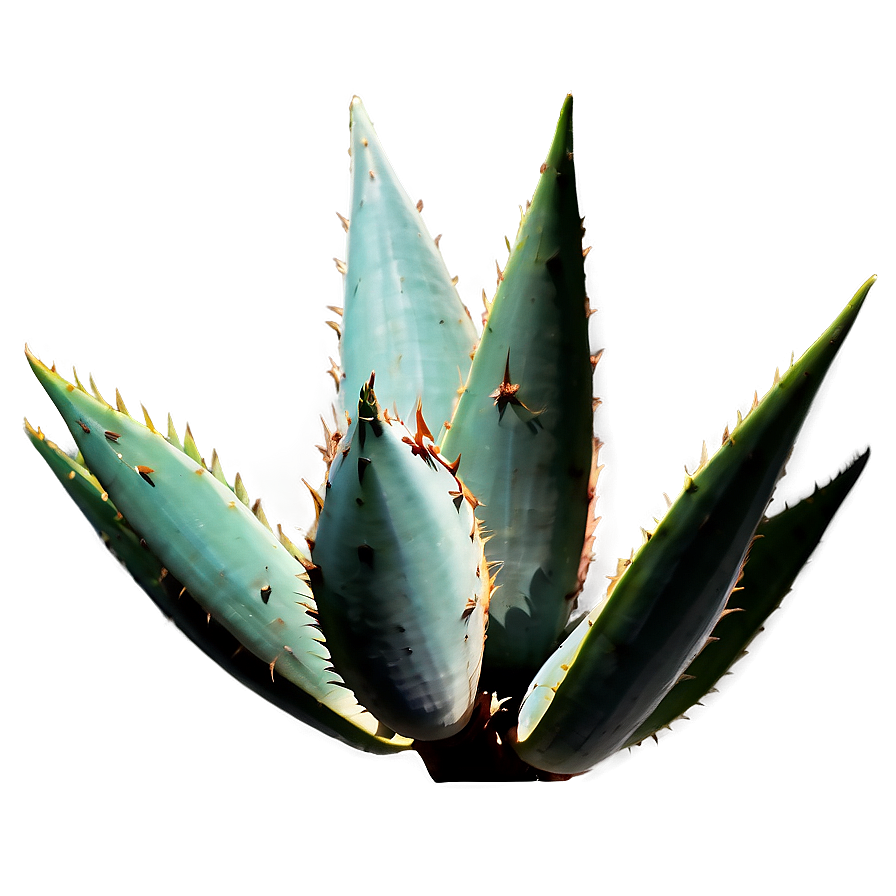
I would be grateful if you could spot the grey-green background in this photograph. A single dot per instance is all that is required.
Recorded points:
(170, 174)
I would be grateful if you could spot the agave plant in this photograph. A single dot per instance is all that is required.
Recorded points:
(434, 607)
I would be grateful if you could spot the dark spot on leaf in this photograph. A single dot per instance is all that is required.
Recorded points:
(363, 464)
(365, 554)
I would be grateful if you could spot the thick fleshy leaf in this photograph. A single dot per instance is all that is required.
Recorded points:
(590, 697)
(172, 598)
(523, 427)
(402, 317)
(233, 566)
(782, 546)
(400, 577)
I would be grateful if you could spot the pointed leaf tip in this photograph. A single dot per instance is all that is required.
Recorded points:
(561, 151)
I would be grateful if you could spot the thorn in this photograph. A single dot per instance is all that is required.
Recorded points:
(336, 309)
(274, 660)
(452, 467)
(144, 473)
(172, 434)
(260, 515)
(422, 428)
(217, 471)
(419, 205)
(149, 424)
(436, 240)
(318, 501)
(334, 372)
(190, 448)
(454, 281)
(372, 175)
(506, 393)
(96, 393)
(507, 243)
(344, 221)
(585, 252)
(119, 403)
(500, 272)
(340, 265)
(240, 490)
(78, 382)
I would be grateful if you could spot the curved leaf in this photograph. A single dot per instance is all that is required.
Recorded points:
(200, 531)
(588, 699)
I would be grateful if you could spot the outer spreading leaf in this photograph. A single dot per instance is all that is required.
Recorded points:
(782, 547)
(590, 697)
(232, 565)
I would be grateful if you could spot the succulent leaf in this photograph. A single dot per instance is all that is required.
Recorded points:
(591, 696)
(400, 577)
(195, 527)
(782, 546)
(403, 317)
(172, 598)
(523, 427)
